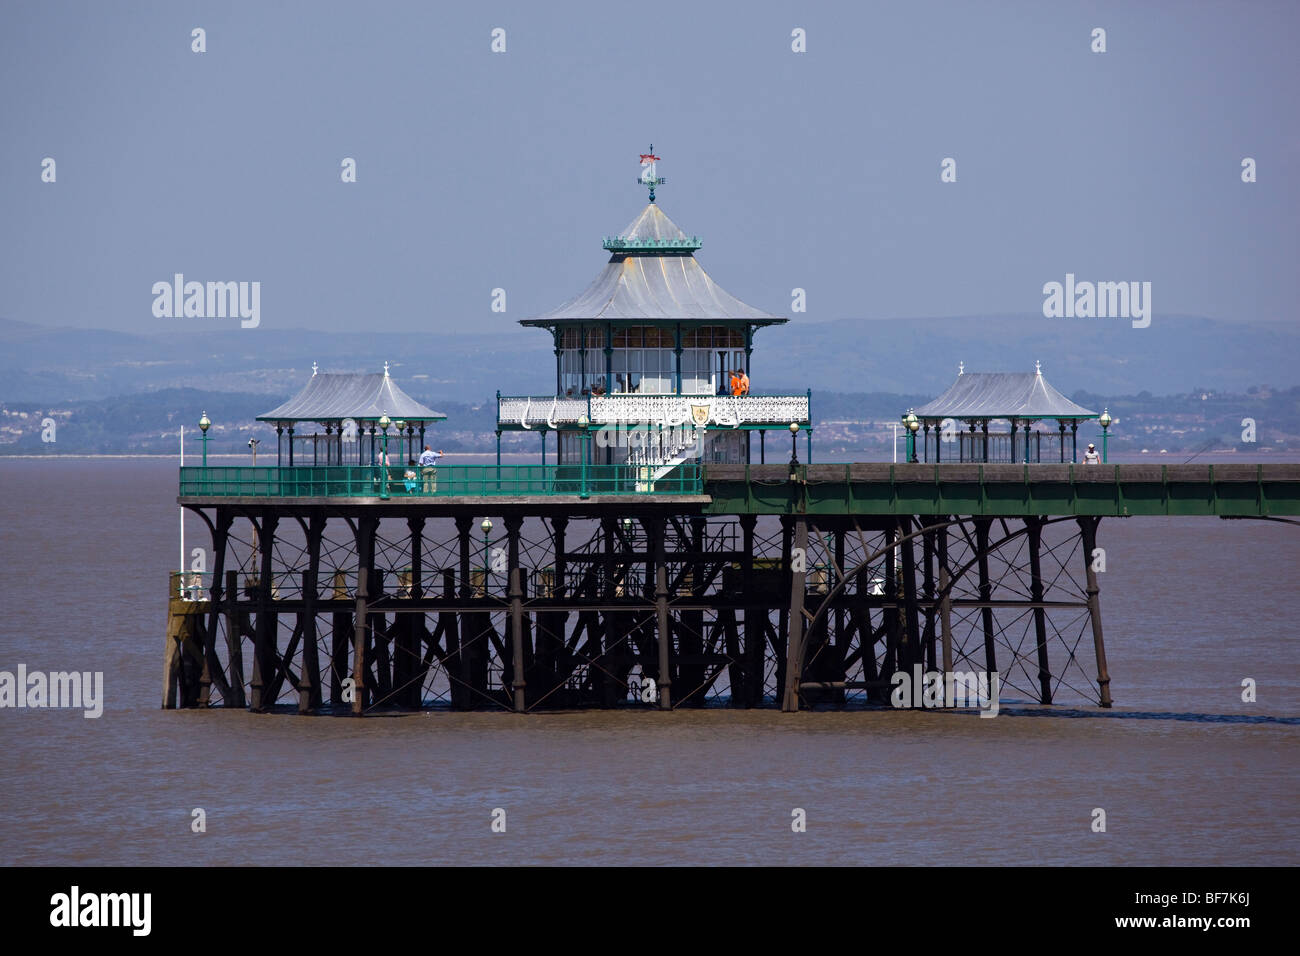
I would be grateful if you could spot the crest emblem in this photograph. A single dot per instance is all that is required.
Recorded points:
(700, 414)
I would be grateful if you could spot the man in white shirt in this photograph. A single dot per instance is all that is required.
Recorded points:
(1091, 457)
(428, 469)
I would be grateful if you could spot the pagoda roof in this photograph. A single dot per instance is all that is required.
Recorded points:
(361, 397)
(652, 223)
(652, 276)
(1002, 395)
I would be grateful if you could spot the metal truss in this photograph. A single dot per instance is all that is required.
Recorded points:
(347, 610)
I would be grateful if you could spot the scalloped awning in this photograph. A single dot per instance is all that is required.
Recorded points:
(1002, 395)
(365, 397)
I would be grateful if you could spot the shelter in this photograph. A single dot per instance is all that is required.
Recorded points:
(1021, 399)
(349, 407)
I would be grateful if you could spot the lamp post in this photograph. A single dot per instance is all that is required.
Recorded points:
(794, 451)
(252, 444)
(204, 425)
(384, 422)
(1104, 421)
(487, 543)
(912, 426)
(583, 422)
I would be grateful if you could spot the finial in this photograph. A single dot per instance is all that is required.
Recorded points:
(313, 369)
(385, 370)
(1038, 368)
(649, 176)
(961, 368)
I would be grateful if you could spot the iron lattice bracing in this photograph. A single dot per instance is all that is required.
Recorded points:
(355, 609)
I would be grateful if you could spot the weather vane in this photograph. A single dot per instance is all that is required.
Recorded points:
(648, 175)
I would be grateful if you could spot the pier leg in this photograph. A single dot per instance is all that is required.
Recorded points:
(664, 636)
(690, 634)
(309, 683)
(1035, 526)
(890, 616)
(794, 645)
(220, 535)
(1088, 526)
(366, 529)
(913, 651)
(755, 617)
(407, 670)
(843, 626)
(945, 614)
(516, 598)
(359, 643)
(986, 593)
(340, 640)
(927, 559)
(264, 639)
(608, 689)
(234, 641)
(551, 625)
(183, 648)
(780, 641)
(662, 633)
(464, 676)
(379, 637)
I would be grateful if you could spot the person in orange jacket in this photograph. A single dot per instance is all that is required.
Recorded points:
(744, 383)
(735, 381)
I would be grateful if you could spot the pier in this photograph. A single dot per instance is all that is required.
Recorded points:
(511, 589)
(663, 553)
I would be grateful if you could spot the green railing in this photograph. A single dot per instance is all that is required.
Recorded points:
(369, 481)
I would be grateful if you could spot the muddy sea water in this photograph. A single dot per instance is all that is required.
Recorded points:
(1186, 772)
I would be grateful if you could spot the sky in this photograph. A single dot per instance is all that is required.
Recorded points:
(479, 170)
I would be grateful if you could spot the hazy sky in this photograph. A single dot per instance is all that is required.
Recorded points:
(478, 170)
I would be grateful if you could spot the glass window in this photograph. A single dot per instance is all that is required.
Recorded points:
(595, 337)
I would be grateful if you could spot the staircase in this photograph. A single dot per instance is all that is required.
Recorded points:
(660, 454)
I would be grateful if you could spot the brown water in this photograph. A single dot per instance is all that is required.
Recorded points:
(1186, 772)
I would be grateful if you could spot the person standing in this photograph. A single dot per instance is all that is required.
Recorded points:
(429, 469)
(744, 383)
(1091, 457)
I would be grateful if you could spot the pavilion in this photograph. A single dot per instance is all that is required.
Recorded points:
(650, 346)
(975, 399)
(350, 408)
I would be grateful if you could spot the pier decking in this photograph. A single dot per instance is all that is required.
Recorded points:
(998, 490)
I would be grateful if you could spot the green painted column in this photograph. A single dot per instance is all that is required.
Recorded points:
(677, 354)
(555, 336)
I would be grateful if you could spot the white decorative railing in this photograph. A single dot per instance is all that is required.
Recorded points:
(718, 411)
(535, 411)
